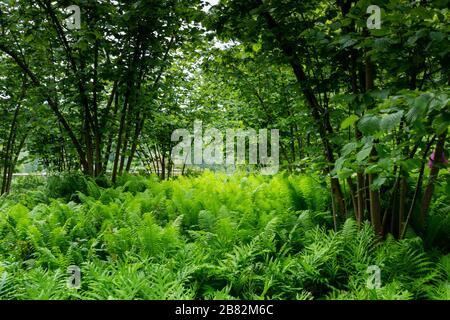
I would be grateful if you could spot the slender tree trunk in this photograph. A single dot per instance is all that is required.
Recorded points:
(88, 142)
(352, 192)
(115, 97)
(134, 144)
(402, 205)
(163, 167)
(14, 162)
(361, 196)
(129, 123)
(375, 208)
(9, 152)
(52, 104)
(320, 115)
(429, 190)
(374, 195)
(125, 147)
(418, 188)
(119, 138)
(142, 116)
(97, 132)
(389, 211)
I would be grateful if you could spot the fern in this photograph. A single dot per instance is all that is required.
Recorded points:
(210, 236)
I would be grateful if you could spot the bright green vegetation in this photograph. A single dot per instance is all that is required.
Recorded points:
(208, 237)
(360, 112)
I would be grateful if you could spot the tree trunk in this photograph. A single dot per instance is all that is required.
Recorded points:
(115, 97)
(52, 103)
(119, 137)
(428, 194)
(320, 115)
(375, 209)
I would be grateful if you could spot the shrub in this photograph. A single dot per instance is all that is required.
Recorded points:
(66, 186)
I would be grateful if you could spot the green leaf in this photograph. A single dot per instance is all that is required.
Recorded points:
(437, 36)
(363, 154)
(390, 121)
(378, 182)
(439, 103)
(256, 47)
(349, 121)
(383, 151)
(369, 124)
(419, 108)
(385, 163)
(379, 94)
(411, 164)
(349, 148)
(339, 164)
(347, 41)
(29, 38)
(345, 173)
(441, 123)
(379, 32)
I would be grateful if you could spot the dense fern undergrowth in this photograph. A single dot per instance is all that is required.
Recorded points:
(208, 237)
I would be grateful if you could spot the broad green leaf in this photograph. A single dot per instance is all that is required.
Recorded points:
(411, 164)
(437, 36)
(347, 41)
(339, 163)
(441, 123)
(379, 94)
(378, 182)
(385, 163)
(363, 154)
(379, 32)
(418, 108)
(345, 173)
(390, 121)
(349, 121)
(349, 148)
(369, 124)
